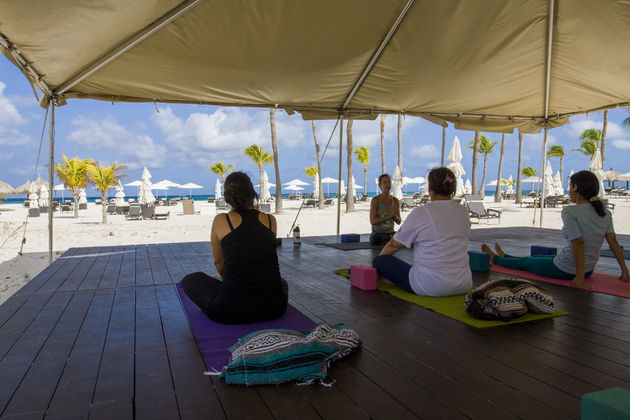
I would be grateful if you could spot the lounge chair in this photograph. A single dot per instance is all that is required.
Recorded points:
(161, 215)
(309, 203)
(478, 210)
(221, 204)
(188, 206)
(111, 209)
(66, 207)
(147, 212)
(328, 202)
(424, 200)
(134, 213)
(407, 203)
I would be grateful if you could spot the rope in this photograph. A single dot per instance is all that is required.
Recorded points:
(41, 140)
(329, 139)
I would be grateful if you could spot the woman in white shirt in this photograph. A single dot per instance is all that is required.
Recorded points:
(439, 232)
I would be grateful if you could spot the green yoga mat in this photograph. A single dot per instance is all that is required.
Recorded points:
(609, 253)
(453, 306)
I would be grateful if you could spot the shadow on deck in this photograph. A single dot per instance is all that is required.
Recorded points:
(101, 334)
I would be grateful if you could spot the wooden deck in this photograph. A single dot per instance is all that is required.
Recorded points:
(101, 333)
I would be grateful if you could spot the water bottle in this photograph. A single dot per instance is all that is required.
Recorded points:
(296, 236)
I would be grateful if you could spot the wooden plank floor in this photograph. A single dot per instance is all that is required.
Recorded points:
(101, 333)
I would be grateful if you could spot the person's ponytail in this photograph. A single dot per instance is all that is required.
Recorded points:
(588, 187)
(599, 207)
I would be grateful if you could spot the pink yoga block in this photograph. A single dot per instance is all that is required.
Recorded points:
(363, 277)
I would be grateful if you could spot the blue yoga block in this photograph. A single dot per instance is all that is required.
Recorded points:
(350, 237)
(543, 250)
(479, 261)
(609, 404)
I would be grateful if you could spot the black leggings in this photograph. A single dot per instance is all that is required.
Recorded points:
(228, 307)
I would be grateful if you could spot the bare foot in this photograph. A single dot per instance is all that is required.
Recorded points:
(581, 285)
(499, 250)
(485, 248)
(384, 280)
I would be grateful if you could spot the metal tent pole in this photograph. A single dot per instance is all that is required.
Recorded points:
(51, 170)
(339, 183)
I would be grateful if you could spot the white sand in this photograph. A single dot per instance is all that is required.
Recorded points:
(16, 270)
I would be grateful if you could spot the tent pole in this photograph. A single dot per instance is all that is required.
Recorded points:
(544, 166)
(339, 183)
(51, 183)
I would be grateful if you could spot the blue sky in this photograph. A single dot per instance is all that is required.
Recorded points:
(179, 142)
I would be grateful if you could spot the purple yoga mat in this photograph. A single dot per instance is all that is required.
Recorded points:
(214, 339)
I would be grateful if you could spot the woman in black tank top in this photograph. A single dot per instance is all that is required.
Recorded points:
(250, 288)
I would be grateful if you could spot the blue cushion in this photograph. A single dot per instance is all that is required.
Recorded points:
(350, 237)
(479, 261)
(543, 250)
(610, 404)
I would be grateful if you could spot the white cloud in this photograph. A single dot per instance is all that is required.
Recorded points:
(613, 130)
(621, 144)
(10, 119)
(132, 149)
(6, 156)
(534, 142)
(426, 151)
(431, 165)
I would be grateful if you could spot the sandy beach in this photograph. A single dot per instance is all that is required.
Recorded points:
(87, 231)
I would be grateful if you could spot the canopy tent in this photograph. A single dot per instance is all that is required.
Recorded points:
(534, 64)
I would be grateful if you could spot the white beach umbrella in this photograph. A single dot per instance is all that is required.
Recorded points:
(293, 187)
(397, 184)
(455, 156)
(82, 196)
(120, 195)
(316, 186)
(328, 180)
(596, 167)
(33, 200)
(60, 187)
(509, 189)
(343, 187)
(548, 188)
(137, 183)
(557, 184)
(145, 196)
(297, 182)
(43, 196)
(352, 186)
(217, 190)
(165, 184)
(264, 187)
(467, 187)
(532, 179)
(191, 186)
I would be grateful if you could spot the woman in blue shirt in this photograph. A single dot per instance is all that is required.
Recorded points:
(585, 226)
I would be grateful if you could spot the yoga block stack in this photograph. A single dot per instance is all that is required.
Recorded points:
(479, 261)
(350, 237)
(609, 404)
(363, 277)
(543, 250)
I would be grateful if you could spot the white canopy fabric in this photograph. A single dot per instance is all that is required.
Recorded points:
(596, 167)
(217, 190)
(116, 50)
(455, 156)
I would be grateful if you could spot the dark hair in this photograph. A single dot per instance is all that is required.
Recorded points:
(239, 191)
(442, 181)
(383, 176)
(588, 187)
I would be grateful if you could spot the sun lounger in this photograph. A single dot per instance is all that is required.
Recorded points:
(111, 209)
(134, 213)
(407, 203)
(188, 206)
(328, 202)
(147, 212)
(161, 215)
(478, 210)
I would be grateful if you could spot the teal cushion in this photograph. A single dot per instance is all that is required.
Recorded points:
(609, 404)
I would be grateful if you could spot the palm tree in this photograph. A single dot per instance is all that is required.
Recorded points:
(74, 175)
(603, 141)
(274, 147)
(485, 146)
(519, 185)
(383, 143)
(497, 193)
(557, 151)
(350, 193)
(310, 171)
(260, 157)
(529, 171)
(400, 143)
(588, 147)
(592, 134)
(475, 157)
(320, 198)
(221, 169)
(363, 156)
(626, 122)
(104, 178)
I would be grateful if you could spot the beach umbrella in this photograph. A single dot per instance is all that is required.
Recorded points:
(6, 188)
(532, 179)
(23, 189)
(316, 186)
(328, 180)
(43, 196)
(264, 187)
(548, 188)
(455, 156)
(612, 176)
(557, 184)
(343, 187)
(596, 167)
(397, 184)
(217, 190)
(190, 187)
(293, 187)
(352, 186)
(137, 184)
(165, 184)
(468, 187)
(37, 184)
(297, 182)
(509, 189)
(82, 196)
(33, 199)
(60, 187)
(145, 196)
(120, 195)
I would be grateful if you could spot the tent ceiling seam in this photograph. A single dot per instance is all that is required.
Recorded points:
(377, 53)
(24, 65)
(126, 45)
(549, 47)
